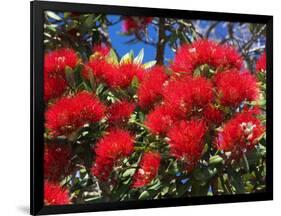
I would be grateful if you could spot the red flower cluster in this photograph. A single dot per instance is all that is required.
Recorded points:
(184, 95)
(53, 86)
(70, 113)
(235, 87)
(116, 145)
(213, 115)
(55, 63)
(151, 88)
(126, 73)
(261, 63)
(113, 75)
(160, 119)
(54, 194)
(120, 111)
(241, 133)
(135, 23)
(56, 161)
(201, 52)
(187, 141)
(148, 170)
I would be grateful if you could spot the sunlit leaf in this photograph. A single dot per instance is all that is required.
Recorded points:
(149, 64)
(138, 59)
(53, 15)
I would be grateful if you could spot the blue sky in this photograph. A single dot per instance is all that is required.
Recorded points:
(119, 42)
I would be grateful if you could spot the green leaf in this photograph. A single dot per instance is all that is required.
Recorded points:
(135, 82)
(165, 190)
(144, 195)
(53, 15)
(155, 184)
(149, 64)
(138, 59)
(127, 58)
(51, 27)
(89, 21)
(129, 172)
(199, 190)
(236, 180)
(182, 188)
(99, 89)
(112, 57)
(69, 74)
(215, 160)
(202, 174)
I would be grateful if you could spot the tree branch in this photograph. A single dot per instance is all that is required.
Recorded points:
(161, 42)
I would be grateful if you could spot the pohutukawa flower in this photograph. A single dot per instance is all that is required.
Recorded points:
(57, 60)
(113, 147)
(261, 63)
(151, 89)
(178, 97)
(54, 194)
(54, 86)
(55, 63)
(160, 119)
(201, 52)
(188, 94)
(125, 75)
(235, 87)
(135, 23)
(101, 71)
(115, 76)
(70, 113)
(148, 169)
(241, 133)
(213, 115)
(101, 49)
(56, 161)
(120, 111)
(187, 141)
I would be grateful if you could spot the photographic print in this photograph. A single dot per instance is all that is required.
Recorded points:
(152, 108)
(149, 108)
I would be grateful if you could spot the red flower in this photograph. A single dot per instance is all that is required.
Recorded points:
(261, 63)
(148, 170)
(113, 75)
(101, 49)
(54, 86)
(151, 88)
(160, 119)
(135, 23)
(70, 113)
(120, 111)
(125, 75)
(191, 56)
(56, 61)
(116, 145)
(187, 141)
(56, 161)
(234, 87)
(54, 194)
(178, 97)
(185, 95)
(213, 115)
(101, 70)
(241, 133)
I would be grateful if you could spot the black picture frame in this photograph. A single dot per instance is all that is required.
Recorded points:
(37, 106)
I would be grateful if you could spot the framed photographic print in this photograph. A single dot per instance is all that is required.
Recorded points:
(140, 107)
